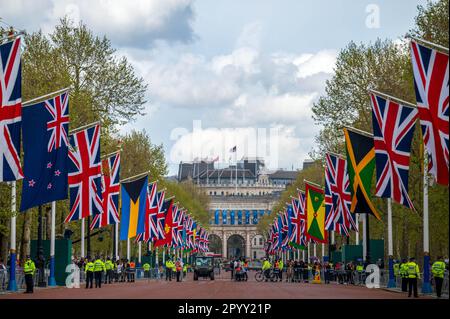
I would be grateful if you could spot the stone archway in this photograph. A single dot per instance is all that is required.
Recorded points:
(215, 244)
(235, 246)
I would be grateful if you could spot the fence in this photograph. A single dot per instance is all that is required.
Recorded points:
(20, 279)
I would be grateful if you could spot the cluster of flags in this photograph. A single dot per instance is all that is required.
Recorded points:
(348, 179)
(58, 164)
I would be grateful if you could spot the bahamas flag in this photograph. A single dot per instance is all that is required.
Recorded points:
(360, 166)
(133, 197)
(315, 212)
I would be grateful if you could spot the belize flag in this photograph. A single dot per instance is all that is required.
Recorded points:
(45, 127)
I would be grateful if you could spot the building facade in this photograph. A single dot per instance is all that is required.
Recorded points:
(239, 196)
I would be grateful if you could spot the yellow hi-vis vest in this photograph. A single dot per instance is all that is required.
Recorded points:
(413, 270)
(438, 269)
(99, 265)
(266, 265)
(146, 267)
(109, 265)
(89, 267)
(396, 269)
(29, 267)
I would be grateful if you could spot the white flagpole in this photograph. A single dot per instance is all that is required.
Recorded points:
(303, 255)
(128, 249)
(156, 256)
(332, 237)
(51, 280)
(82, 238)
(364, 237)
(309, 253)
(323, 250)
(12, 285)
(116, 248)
(140, 252)
(391, 282)
(315, 250)
(357, 232)
(426, 285)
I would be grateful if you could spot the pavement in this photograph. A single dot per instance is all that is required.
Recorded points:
(221, 288)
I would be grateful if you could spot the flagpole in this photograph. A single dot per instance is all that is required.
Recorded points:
(116, 248)
(12, 285)
(364, 236)
(303, 255)
(43, 97)
(82, 238)
(426, 285)
(391, 282)
(139, 253)
(156, 257)
(435, 46)
(51, 279)
(315, 250)
(357, 231)
(87, 126)
(128, 249)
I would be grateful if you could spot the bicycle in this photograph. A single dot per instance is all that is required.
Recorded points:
(260, 275)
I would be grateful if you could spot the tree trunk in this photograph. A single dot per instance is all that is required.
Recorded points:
(26, 235)
(4, 247)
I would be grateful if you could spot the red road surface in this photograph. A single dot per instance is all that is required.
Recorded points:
(207, 289)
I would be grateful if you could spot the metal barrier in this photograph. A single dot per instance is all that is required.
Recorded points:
(20, 279)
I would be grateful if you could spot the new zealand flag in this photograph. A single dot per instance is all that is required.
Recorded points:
(45, 126)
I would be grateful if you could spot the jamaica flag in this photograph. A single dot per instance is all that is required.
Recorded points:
(315, 212)
(360, 165)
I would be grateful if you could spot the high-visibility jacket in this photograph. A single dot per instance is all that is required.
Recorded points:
(146, 267)
(359, 268)
(178, 266)
(184, 268)
(404, 270)
(132, 265)
(397, 269)
(99, 265)
(169, 264)
(280, 265)
(438, 269)
(109, 265)
(89, 267)
(29, 267)
(413, 270)
(266, 265)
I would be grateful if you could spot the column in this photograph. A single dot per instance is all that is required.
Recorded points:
(224, 246)
(247, 246)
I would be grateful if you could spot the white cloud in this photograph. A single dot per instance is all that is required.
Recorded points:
(134, 23)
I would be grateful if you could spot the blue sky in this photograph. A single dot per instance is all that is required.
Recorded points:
(236, 66)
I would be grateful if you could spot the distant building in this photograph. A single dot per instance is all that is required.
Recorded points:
(239, 196)
(308, 163)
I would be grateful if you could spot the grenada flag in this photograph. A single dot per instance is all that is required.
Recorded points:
(315, 211)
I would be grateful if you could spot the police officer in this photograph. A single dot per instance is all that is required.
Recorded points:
(413, 274)
(169, 267)
(185, 270)
(266, 268)
(146, 268)
(89, 270)
(99, 269)
(404, 275)
(280, 268)
(109, 266)
(360, 270)
(29, 269)
(438, 270)
(396, 269)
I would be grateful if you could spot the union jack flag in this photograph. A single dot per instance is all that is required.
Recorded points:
(85, 174)
(10, 110)
(160, 216)
(295, 222)
(189, 223)
(58, 107)
(175, 218)
(110, 193)
(285, 220)
(430, 68)
(152, 211)
(393, 129)
(337, 196)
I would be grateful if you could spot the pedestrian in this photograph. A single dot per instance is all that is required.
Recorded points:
(178, 269)
(245, 269)
(404, 275)
(109, 266)
(169, 266)
(438, 270)
(146, 268)
(89, 271)
(99, 269)
(185, 270)
(327, 271)
(232, 268)
(2, 274)
(119, 271)
(132, 270)
(413, 274)
(29, 268)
